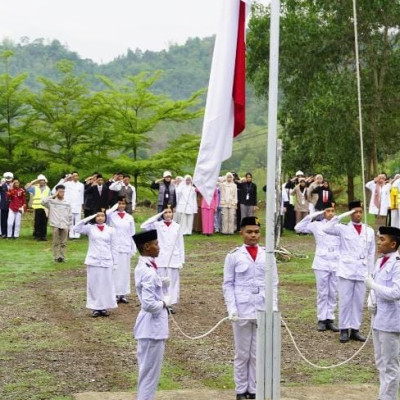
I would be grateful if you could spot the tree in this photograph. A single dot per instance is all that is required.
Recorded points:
(13, 114)
(132, 111)
(67, 121)
(318, 110)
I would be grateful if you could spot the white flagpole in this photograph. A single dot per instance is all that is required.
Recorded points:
(269, 362)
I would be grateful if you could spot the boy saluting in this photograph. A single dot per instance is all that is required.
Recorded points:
(151, 328)
(384, 304)
(244, 293)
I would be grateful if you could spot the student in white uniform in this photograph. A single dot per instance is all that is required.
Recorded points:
(186, 204)
(151, 328)
(357, 258)
(244, 293)
(384, 305)
(172, 250)
(324, 265)
(101, 260)
(123, 223)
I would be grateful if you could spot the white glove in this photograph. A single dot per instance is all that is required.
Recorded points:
(165, 281)
(167, 301)
(369, 282)
(346, 214)
(372, 308)
(87, 219)
(233, 317)
(316, 214)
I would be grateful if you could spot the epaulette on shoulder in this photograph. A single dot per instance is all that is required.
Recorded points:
(234, 250)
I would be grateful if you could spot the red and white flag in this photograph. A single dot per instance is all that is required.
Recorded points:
(224, 116)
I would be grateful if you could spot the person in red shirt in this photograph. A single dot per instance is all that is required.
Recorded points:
(17, 206)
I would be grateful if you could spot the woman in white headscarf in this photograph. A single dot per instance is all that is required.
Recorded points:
(228, 204)
(186, 204)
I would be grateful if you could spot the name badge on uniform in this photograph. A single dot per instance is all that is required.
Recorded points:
(166, 195)
(247, 196)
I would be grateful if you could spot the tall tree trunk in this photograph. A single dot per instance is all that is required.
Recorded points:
(350, 188)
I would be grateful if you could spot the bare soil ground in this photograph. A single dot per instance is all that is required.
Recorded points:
(50, 346)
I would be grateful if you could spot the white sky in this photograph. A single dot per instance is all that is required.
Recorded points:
(104, 29)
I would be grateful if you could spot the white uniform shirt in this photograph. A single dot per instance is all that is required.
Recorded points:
(102, 250)
(125, 229)
(152, 320)
(385, 199)
(74, 192)
(327, 246)
(387, 295)
(170, 240)
(357, 252)
(244, 282)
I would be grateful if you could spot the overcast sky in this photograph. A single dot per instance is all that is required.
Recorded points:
(104, 29)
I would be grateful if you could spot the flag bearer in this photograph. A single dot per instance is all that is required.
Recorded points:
(384, 304)
(151, 328)
(324, 265)
(172, 250)
(244, 293)
(357, 257)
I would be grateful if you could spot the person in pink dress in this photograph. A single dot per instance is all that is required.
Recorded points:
(207, 214)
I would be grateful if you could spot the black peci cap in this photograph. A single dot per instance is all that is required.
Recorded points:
(389, 230)
(354, 204)
(250, 221)
(328, 204)
(144, 237)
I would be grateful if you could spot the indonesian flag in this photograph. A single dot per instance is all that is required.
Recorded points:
(224, 116)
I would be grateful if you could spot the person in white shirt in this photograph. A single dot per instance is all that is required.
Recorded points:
(186, 204)
(384, 306)
(380, 199)
(101, 260)
(357, 257)
(172, 250)
(124, 226)
(324, 265)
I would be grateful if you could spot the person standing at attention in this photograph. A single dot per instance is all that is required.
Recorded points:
(60, 218)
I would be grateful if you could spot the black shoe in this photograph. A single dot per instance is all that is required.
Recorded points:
(60, 259)
(322, 326)
(331, 326)
(42, 239)
(123, 299)
(241, 396)
(344, 336)
(251, 395)
(104, 313)
(96, 314)
(356, 335)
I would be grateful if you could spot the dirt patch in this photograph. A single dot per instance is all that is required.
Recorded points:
(358, 392)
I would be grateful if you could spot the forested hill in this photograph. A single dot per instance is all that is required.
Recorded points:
(185, 67)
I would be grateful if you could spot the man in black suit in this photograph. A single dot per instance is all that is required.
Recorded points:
(97, 193)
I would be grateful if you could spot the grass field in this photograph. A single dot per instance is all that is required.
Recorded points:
(50, 347)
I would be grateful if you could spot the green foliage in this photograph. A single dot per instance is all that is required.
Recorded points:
(318, 110)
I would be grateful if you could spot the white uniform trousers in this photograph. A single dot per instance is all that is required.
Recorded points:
(76, 217)
(100, 288)
(173, 289)
(13, 218)
(351, 299)
(150, 353)
(245, 335)
(326, 294)
(386, 345)
(122, 275)
(395, 218)
(186, 223)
